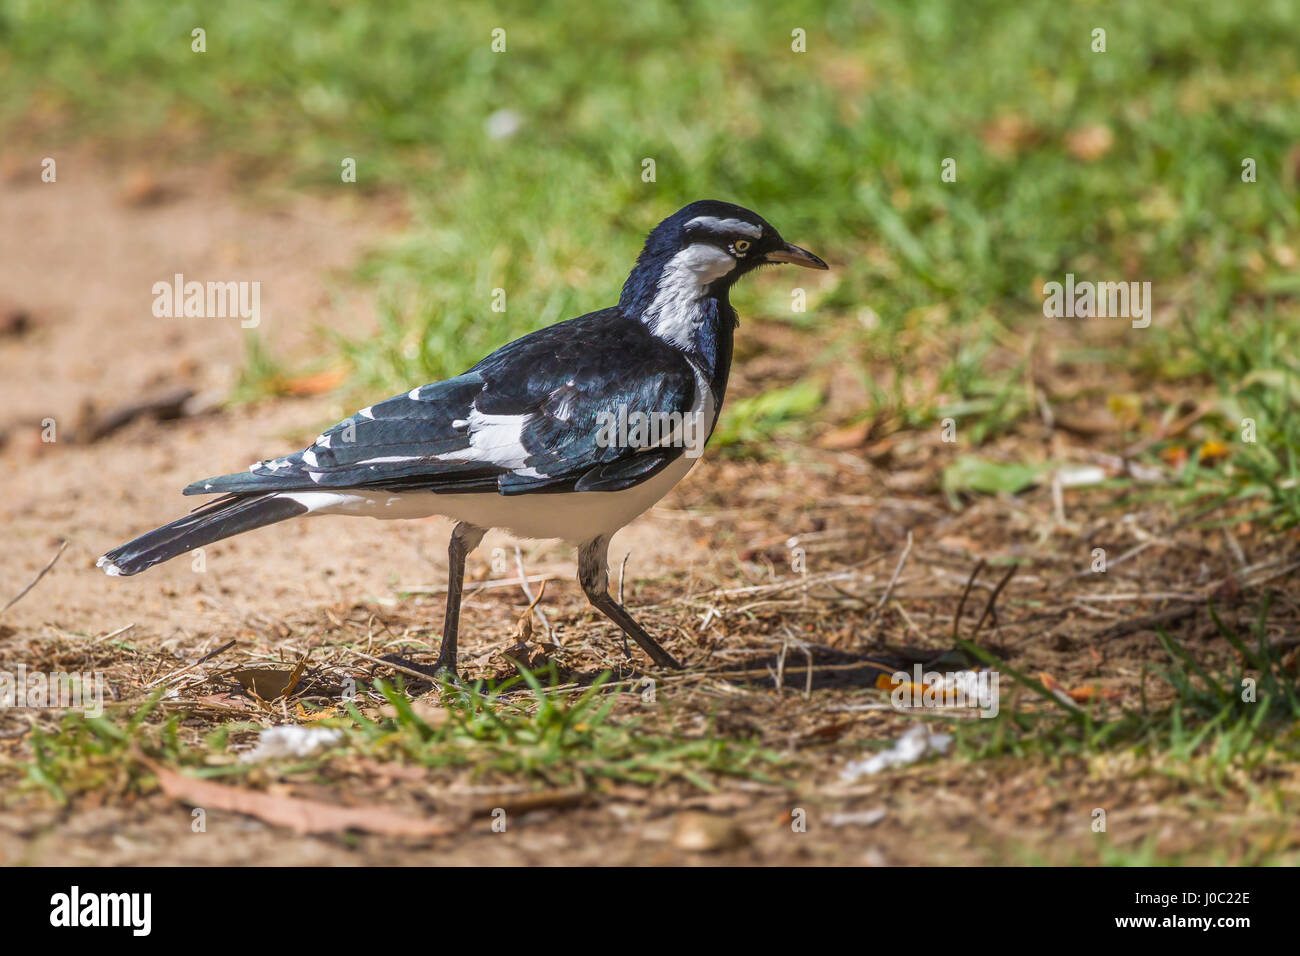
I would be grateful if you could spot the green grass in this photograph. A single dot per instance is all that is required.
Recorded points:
(936, 285)
(518, 730)
(562, 740)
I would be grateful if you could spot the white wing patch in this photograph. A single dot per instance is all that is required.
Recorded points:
(272, 465)
(496, 440)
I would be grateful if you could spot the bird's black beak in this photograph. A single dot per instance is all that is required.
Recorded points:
(800, 257)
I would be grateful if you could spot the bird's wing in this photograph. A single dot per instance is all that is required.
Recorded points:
(542, 414)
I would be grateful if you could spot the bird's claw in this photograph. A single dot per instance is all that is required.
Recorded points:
(438, 672)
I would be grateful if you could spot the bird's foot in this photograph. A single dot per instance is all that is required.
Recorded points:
(439, 671)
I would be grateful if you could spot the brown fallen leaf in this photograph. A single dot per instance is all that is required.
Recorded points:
(845, 439)
(316, 384)
(309, 716)
(299, 815)
(524, 626)
(1088, 424)
(226, 702)
(828, 733)
(296, 675)
(1081, 695)
(516, 804)
(265, 682)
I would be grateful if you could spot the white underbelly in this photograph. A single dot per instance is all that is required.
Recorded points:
(576, 517)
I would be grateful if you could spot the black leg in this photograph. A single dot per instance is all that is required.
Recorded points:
(464, 539)
(593, 572)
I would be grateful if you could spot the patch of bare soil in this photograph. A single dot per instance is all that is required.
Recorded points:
(787, 586)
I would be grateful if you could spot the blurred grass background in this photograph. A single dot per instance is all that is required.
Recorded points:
(523, 170)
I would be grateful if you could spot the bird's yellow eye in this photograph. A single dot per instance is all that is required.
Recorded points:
(741, 245)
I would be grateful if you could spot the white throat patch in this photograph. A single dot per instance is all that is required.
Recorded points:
(675, 311)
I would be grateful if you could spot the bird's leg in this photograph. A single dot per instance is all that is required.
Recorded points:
(464, 539)
(593, 573)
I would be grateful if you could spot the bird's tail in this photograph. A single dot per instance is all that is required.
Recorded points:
(219, 519)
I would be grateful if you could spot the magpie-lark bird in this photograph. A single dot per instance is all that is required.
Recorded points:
(526, 440)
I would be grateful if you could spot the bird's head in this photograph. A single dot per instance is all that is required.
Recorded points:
(702, 249)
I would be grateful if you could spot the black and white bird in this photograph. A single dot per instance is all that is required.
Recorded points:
(569, 432)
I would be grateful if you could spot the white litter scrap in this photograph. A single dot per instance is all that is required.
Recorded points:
(860, 818)
(291, 740)
(915, 743)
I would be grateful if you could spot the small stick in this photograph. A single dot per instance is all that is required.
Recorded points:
(961, 605)
(393, 665)
(112, 634)
(621, 568)
(36, 580)
(993, 599)
(1234, 547)
(627, 651)
(889, 589)
(190, 667)
(220, 650)
(528, 592)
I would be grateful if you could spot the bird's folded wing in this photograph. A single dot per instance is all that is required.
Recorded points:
(509, 428)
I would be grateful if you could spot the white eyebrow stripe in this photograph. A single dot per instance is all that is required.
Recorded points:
(714, 224)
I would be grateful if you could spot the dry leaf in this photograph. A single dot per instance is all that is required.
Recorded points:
(303, 714)
(299, 815)
(265, 682)
(316, 384)
(517, 804)
(297, 674)
(1081, 695)
(828, 733)
(226, 701)
(845, 439)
